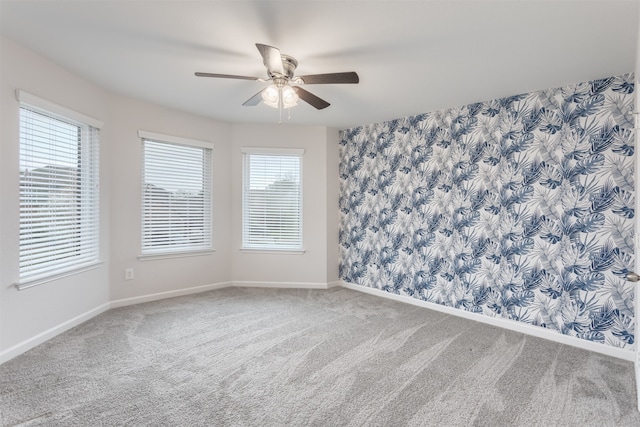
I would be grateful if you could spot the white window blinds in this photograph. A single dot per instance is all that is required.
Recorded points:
(272, 200)
(176, 199)
(59, 206)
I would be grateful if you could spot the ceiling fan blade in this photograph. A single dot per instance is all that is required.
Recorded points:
(227, 76)
(310, 98)
(254, 100)
(331, 78)
(272, 59)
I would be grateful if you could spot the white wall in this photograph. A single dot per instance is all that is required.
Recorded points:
(26, 314)
(174, 274)
(33, 315)
(290, 269)
(29, 316)
(333, 214)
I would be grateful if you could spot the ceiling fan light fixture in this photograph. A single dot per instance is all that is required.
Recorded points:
(289, 97)
(277, 96)
(271, 96)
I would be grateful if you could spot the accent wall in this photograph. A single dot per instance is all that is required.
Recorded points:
(520, 208)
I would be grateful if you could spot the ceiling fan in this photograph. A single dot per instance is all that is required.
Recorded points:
(281, 93)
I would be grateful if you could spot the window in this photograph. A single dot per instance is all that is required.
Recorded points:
(272, 199)
(176, 195)
(59, 206)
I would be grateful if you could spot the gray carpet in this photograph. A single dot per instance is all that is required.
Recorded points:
(266, 357)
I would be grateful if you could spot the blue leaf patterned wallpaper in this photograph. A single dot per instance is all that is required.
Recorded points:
(520, 208)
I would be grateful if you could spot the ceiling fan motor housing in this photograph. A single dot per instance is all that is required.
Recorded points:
(289, 65)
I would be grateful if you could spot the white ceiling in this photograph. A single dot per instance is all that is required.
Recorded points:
(412, 56)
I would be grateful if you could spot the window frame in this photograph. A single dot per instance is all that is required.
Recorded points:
(246, 246)
(172, 251)
(87, 219)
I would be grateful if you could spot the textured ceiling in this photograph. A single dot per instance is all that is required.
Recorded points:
(412, 56)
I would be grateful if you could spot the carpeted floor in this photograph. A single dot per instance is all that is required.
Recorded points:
(266, 357)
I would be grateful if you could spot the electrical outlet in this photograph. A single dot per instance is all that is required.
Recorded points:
(128, 274)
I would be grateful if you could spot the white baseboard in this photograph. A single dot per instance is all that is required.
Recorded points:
(30, 343)
(495, 321)
(503, 323)
(240, 284)
(282, 285)
(50, 333)
(168, 294)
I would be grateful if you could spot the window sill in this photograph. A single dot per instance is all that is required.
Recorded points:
(273, 251)
(40, 281)
(169, 255)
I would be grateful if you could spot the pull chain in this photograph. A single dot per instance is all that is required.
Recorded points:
(280, 105)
